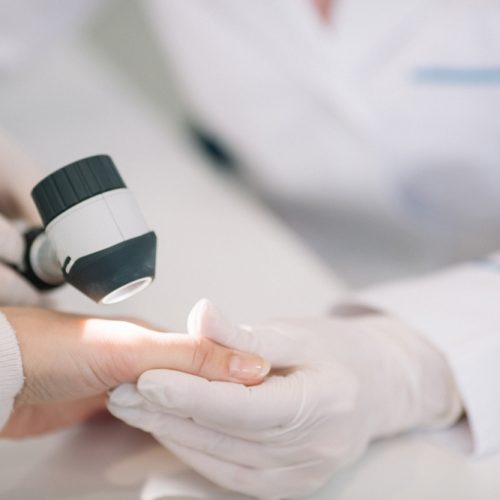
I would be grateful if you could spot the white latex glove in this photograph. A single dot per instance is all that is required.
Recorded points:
(18, 175)
(14, 289)
(337, 384)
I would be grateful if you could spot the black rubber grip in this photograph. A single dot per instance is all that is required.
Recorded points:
(75, 183)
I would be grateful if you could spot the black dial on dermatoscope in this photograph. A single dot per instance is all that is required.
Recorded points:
(75, 183)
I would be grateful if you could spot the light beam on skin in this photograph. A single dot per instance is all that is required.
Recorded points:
(126, 331)
(118, 328)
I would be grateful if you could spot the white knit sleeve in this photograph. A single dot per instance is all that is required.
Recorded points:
(11, 369)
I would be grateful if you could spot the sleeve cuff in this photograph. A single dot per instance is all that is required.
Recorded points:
(11, 369)
(458, 311)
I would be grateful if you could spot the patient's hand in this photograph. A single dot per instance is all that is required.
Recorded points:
(70, 362)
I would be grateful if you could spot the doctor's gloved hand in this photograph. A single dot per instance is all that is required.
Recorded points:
(70, 362)
(14, 289)
(336, 385)
(18, 174)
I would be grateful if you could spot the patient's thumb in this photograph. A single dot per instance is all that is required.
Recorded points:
(198, 356)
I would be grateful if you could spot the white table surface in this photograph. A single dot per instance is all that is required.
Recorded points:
(215, 241)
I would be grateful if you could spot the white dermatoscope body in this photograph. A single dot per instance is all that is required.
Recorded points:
(95, 236)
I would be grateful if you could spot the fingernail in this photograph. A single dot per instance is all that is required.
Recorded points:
(248, 367)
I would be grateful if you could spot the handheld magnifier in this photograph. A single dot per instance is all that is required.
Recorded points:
(94, 236)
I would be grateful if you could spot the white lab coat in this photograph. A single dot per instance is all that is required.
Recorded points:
(396, 110)
(392, 113)
(388, 119)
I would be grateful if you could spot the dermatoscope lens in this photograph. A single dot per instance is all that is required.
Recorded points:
(126, 291)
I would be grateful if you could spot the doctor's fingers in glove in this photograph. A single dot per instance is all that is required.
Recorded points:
(258, 469)
(262, 468)
(260, 450)
(279, 409)
(14, 289)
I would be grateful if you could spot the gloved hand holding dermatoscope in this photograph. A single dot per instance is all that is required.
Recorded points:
(94, 234)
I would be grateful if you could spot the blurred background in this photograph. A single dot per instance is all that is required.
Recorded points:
(369, 133)
(374, 223)
(281, 154)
